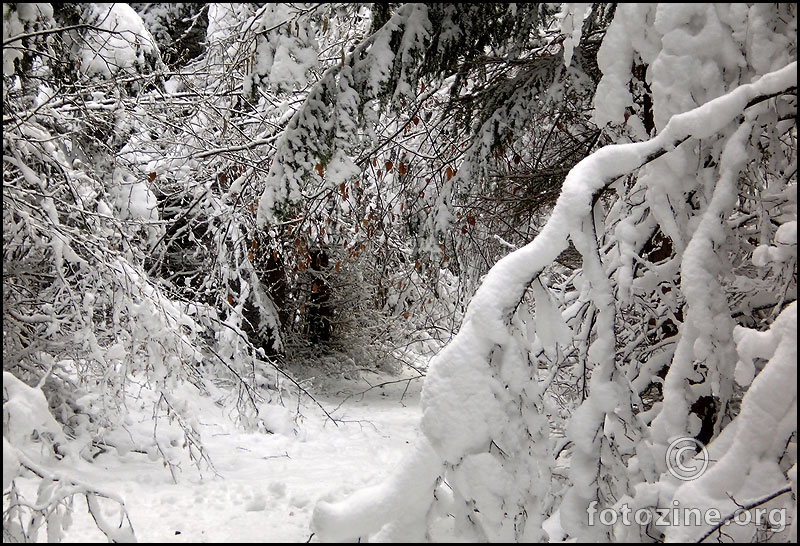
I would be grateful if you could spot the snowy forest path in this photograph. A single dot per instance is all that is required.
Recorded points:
(268, 484)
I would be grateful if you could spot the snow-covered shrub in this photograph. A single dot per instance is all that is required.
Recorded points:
(32, 442)
(88, 328)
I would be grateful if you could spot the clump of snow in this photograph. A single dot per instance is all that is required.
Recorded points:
(277, 419)
(123, 44)
(26, 416)
(11, 466)
(627, 40)
(571, 17)
(784, 249)
(16, 19)
(340, 169)
(286, 50)
(133, 198)
(257, 504)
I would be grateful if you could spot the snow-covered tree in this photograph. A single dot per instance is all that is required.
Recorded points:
(563, 394)
(87, 330)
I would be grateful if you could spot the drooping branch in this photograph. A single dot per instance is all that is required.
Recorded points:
(115, 533)
(485, 346)
(598, 171)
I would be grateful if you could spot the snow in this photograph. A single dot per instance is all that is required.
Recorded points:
(784, 249)
(614, 58)
(25, 413)
(396, 499)
(464, 401)
(120, 49)
(10, 464)
(132, 198)
(571, 17)
(550, 326)
(284, 57)
(267, 484)
(15, 20)
(769, 412)
(475, 452)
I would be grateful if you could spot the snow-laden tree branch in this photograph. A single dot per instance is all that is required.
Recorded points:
(483, 407)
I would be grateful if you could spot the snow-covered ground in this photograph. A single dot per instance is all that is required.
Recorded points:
(268, 484)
